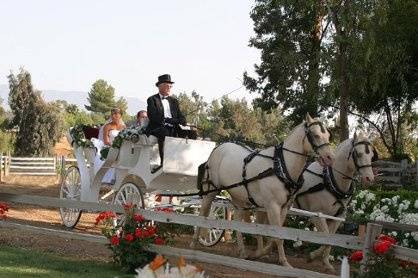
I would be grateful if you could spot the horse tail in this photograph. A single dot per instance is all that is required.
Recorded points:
(200, 175)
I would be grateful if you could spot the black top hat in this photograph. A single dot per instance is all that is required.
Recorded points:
(165, 78)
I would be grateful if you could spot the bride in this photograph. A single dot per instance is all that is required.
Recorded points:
(107, 134)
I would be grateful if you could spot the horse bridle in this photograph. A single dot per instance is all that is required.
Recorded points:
(354, 155)
(311, 140)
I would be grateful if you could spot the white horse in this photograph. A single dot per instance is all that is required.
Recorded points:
(268, 178)
(329, 190)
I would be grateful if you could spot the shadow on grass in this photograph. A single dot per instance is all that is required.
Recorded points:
(19, 262)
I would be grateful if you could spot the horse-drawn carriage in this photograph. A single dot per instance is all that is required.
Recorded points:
(136, 179)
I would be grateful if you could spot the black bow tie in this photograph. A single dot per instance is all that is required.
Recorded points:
(164, 98)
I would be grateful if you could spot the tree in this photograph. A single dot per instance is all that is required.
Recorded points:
(290, 36)
(387, 66)
(101, 98)
(39, 124)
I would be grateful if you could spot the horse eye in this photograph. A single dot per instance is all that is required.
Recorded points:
(317, 136)
(359, 154)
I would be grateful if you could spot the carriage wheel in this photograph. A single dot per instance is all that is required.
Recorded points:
(128, 193)
(71, 190)
(210, 237)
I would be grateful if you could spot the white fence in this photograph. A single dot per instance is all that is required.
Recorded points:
(345, 241)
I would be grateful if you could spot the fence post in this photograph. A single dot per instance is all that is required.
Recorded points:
(372, 231)
(7, 163)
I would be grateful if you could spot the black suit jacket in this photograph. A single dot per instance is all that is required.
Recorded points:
(156, 112)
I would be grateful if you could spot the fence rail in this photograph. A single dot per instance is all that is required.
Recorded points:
(396, 173)
(346, 241)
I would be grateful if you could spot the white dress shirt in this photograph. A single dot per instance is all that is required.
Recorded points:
(166, 107)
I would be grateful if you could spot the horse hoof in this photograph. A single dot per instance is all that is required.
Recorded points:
(286, 264)
(329, 268)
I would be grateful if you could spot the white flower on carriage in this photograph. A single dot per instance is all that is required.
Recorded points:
(301, 223)
(384, 208)
(331, 258)
(297, 244)
(416, 204)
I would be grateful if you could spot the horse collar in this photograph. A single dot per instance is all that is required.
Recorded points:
(331, 185)
(282, 173)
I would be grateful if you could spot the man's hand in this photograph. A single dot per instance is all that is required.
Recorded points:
(170, 121)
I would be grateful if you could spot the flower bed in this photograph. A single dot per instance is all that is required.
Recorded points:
(389, 207)
(382, 263)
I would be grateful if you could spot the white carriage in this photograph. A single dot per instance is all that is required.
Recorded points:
(135, 180)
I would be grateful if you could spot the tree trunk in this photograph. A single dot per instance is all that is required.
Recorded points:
(342, 75)
(312, 89)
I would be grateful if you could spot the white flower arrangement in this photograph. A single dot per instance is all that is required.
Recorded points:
(160, 268)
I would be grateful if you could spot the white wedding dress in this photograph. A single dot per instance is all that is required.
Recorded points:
(110, 176)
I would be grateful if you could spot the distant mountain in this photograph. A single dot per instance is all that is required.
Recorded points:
(74, 97)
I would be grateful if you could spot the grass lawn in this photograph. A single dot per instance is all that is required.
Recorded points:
(18, 262)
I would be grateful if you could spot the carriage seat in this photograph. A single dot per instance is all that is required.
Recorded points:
(91, 132)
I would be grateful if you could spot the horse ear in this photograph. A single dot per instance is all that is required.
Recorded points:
(308, 118)
(355, 136)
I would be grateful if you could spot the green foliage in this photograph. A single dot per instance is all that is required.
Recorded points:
(288, 33)
(386, 64)
(101, 97)
(39, 124)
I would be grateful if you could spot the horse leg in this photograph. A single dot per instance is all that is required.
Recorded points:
(204, 211)
(276, 215)
(261, 217)
(332, 227)
(280, 242)
(241, 215)
(322, 226)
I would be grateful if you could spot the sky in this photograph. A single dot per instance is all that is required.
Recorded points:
(67, 45)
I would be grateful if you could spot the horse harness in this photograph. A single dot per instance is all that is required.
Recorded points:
(279, 168)
(330, 184)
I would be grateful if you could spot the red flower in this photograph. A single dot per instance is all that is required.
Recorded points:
(104, 216)
(383, 237)
(357, 256)
(139, 233)
(138, 218)
(382, 247)
(159, 241)
(3, 208)
(114, 240)
(128, 206)
(166, 210)
(129, 237)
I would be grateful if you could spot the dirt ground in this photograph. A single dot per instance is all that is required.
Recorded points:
(49, 217)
